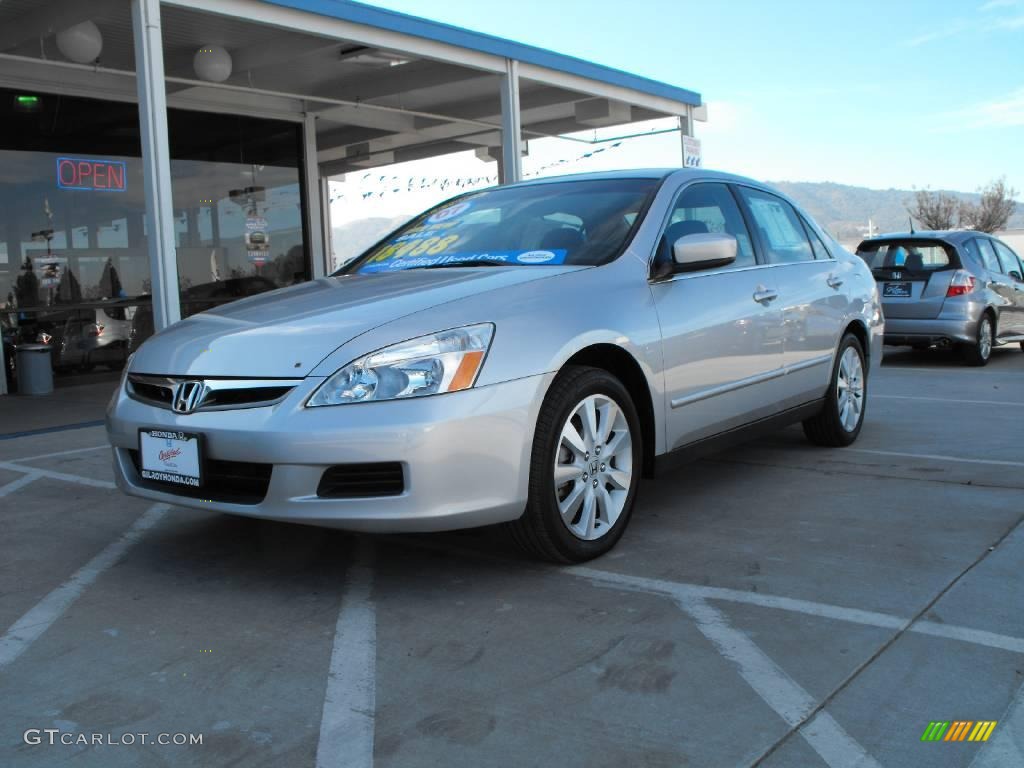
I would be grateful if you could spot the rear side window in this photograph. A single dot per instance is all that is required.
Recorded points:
(779, 226)
(988, 255)
(1007, 258)
(912, 256)
(820, 251)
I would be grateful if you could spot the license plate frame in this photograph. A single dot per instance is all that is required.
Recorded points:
(900, 290)
(184, 469)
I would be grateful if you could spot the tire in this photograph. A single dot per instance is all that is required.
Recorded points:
(595, 520)
(979, 353)
(840, 420)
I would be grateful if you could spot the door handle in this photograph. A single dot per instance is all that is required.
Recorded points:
(834, 282)
(764, 295)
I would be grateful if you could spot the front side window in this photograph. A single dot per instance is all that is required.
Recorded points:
(1007, 259)
(571, 222)
(707, 208)
(779, 227)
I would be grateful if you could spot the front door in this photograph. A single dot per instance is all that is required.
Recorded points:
(721, 328)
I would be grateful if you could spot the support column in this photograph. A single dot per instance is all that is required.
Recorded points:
(313, 199)
(510, 167)
(325, 215)
(156, 162)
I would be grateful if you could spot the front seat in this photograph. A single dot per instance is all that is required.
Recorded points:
(564, 238)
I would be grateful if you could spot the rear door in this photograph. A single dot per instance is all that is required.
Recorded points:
(1012, 318)
(811, 297)
(999, 284)
(913, 274)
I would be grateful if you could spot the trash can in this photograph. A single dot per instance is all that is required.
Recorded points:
(35, 373)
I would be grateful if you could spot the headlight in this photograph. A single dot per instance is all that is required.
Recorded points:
(429, 365)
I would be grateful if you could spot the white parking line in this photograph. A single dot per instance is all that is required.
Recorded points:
(21, 482)
(58, 475)
(26, 630)
(63, 453)
(778, 690)
(681, 591)
(968, 635)
(935, 457)
(350, 704)
(944, 400)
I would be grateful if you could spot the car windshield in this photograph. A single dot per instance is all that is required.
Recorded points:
(571, 222)
(909, 255)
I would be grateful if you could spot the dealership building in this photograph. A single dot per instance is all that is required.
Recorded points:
(160, 158)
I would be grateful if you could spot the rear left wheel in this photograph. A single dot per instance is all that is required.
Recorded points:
(840, 420)
(584, 470)
(980, 351)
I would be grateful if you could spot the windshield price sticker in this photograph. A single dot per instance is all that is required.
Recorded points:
(451, 212)
(512, 258)
(430, 246)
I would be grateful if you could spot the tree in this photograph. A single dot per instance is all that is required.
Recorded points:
(993, 210)
(935, 210)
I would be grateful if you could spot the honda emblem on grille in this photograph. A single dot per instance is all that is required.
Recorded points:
(897, 275)
(187, 396)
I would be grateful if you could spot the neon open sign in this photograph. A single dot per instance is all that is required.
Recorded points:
(91, 175)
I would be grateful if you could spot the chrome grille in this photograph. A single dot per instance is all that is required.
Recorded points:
(215, 395)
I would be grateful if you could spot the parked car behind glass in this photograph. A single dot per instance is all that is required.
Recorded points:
(84, 338)
(964, 289)
(519, 355)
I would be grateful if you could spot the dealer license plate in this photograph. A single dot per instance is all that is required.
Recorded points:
(169, 456)
(897, 290)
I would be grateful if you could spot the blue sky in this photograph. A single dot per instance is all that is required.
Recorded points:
(905, 93)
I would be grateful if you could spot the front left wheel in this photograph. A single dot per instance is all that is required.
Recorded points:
(585, 468)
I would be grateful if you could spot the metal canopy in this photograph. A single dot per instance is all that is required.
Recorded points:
(383, 87)
(370, 87)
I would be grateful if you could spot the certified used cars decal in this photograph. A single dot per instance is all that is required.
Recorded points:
(396, 261)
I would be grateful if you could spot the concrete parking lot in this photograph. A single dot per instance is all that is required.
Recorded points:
(779, 605)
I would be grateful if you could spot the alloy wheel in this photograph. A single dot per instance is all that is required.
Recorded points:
(593, 469)
(850, 389)
(985, 338)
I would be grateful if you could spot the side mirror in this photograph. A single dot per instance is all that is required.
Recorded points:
(704, 250)
(1016, 276)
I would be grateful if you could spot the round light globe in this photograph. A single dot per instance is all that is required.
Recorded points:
(81, 43)
(212, 63)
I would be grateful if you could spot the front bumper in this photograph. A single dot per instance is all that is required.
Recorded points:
(465, 455)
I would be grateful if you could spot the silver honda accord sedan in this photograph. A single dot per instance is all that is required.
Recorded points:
(520, 355)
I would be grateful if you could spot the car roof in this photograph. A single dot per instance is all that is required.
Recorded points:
(953, 236)
(643, 173)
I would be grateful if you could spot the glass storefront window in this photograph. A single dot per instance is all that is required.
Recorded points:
(74, 266)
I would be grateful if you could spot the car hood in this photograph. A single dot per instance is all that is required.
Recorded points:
(285, 333)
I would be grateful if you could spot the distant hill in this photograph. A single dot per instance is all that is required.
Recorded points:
(844, 210)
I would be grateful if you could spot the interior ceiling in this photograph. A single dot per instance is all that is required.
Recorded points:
(434, 107)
